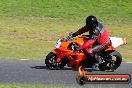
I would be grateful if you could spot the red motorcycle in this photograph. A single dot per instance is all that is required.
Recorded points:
(66, 53)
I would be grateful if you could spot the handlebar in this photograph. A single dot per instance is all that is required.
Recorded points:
(67, 38)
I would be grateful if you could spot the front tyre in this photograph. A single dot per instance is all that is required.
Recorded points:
(51, 63)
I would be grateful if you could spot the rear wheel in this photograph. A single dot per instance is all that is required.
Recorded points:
(112, 62)
(102, 66)
(116, 59)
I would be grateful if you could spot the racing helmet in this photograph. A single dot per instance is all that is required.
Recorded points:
(91, 22)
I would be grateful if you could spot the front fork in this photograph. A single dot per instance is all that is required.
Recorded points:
(71, 63)
(59, 55)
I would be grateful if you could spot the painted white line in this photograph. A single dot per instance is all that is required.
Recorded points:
(126, 62)
(24, 59)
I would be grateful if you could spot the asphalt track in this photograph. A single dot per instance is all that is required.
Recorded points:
(35, 73)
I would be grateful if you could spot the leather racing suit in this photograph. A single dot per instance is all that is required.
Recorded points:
(98, 39)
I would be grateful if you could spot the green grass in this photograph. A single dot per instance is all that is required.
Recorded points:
(29, 86)
(30, 40)
(69, 9)
(35, 86)
(29, 28)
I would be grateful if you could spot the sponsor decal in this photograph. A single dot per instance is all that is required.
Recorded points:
(104, 78)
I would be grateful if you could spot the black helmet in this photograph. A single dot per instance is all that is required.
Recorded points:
(91, 22)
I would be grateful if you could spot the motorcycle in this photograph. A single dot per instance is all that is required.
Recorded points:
(66, 52)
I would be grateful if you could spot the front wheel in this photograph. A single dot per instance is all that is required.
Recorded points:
(51, 63)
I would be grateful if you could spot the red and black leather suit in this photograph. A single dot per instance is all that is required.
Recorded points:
(98, 39)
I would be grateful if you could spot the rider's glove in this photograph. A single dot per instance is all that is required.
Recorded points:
(73, 35)
(69, 37)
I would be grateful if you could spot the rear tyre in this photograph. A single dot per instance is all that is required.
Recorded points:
(112, 64)
(117, 61)
(102, 67)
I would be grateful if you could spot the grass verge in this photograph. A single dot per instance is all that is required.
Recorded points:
(28, 86)
(29, 28)
(34, 37)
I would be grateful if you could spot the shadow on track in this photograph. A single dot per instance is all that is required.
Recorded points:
(65, 68)
(44, 67)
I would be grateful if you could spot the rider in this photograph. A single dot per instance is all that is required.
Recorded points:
(98, 37)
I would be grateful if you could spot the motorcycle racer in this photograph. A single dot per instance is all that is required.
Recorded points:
(96, 49)
(98, 37)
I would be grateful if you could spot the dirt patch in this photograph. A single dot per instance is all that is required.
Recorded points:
(27, 35)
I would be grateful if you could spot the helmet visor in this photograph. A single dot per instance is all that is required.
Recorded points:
(91, 24)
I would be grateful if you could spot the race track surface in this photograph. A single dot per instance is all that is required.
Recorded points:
(35, 73)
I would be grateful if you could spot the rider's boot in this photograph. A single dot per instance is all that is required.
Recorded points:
(97, 59)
